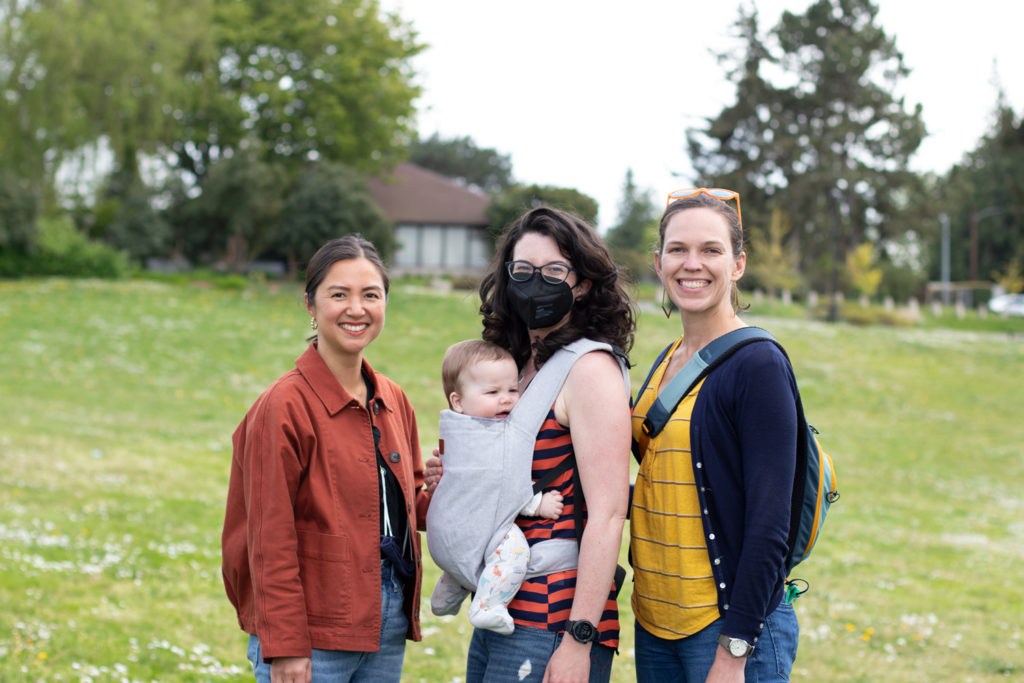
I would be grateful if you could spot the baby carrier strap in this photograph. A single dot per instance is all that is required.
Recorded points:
(558, 369)
(555, 372)
(533, 407)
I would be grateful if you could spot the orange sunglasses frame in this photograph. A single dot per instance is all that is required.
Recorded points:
(716, 192)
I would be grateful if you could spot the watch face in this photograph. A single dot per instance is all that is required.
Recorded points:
(583, 631)
(737, 647)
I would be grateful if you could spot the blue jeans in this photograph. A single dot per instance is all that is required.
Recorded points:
(339, 665)
(522, 656)
(688, 660)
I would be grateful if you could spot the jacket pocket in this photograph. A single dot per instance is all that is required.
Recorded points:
(325, 562)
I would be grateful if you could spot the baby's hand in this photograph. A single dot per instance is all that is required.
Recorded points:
(550, 505)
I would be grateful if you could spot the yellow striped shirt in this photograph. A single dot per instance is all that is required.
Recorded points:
(674, 592)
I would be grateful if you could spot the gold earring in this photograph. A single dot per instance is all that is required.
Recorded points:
(666, 304)
(312, 324)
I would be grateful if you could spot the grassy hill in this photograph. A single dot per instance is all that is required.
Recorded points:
(118, 399)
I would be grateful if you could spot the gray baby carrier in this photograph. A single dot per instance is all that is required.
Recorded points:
(487, 477)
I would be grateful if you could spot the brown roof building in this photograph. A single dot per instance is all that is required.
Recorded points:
(440, 225)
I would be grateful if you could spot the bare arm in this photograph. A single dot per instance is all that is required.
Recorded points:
(595, 405)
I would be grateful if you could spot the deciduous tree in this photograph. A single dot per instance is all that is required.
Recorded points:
(510, 204)
(461, 159)
(328, 201)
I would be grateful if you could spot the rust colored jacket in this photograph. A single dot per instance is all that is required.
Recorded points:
(301, 540)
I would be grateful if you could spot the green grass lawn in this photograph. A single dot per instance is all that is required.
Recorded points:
(118, 399)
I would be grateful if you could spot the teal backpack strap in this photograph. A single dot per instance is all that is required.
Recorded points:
(635, 445)
(687, 378)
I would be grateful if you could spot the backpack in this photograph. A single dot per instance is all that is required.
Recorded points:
(815, 488)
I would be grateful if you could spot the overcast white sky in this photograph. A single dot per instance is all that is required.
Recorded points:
(577, 91)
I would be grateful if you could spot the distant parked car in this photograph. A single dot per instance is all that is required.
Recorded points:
(1007, 304)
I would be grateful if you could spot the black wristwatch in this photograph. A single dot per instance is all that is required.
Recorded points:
(583, 631)
(737, 647)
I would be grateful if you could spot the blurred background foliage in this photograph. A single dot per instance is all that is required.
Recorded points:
(229, 131)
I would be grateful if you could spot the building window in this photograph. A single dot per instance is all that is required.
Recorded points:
(441, 247)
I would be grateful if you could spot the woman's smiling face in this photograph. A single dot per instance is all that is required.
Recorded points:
(696, 264)
(349, 307)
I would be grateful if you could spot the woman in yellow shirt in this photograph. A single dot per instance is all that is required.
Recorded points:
(711, 507)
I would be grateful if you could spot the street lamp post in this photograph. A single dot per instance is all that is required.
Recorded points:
(833, 306)
(944, 220)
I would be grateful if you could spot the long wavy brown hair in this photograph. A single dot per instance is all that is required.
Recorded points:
(605, 313)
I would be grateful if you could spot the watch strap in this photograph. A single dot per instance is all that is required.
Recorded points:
(737, 647)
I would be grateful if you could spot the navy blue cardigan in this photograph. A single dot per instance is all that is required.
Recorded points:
(743, 435)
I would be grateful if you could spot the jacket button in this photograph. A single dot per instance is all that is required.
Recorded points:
(393, 456)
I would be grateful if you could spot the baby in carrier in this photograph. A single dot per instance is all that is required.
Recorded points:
(481, 381)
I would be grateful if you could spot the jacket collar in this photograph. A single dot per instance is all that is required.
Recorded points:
(330, 392)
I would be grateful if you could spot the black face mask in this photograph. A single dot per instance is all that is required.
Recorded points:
(539, 303)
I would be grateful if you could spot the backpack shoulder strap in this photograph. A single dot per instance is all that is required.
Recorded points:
(703, 362)
(634, 445)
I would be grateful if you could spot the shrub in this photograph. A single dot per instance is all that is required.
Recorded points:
(18, 204)
(231, 283)
(61, 250)
(855, 314)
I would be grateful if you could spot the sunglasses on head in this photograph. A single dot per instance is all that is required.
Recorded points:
(716, 192)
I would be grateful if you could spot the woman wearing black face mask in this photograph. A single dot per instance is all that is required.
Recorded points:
(553, 282)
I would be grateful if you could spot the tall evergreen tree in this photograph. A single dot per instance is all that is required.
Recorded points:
(636, 211)
(818, 128)
(984, 199)
(629, 239)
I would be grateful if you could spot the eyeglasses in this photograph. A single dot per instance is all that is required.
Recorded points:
(553, 273)
(716, 192)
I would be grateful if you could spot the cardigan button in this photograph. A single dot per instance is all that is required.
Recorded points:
(393, 456)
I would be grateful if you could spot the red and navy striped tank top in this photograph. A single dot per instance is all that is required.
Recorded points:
(545, 601)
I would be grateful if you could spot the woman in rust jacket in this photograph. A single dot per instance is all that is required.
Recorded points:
(321, 555)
